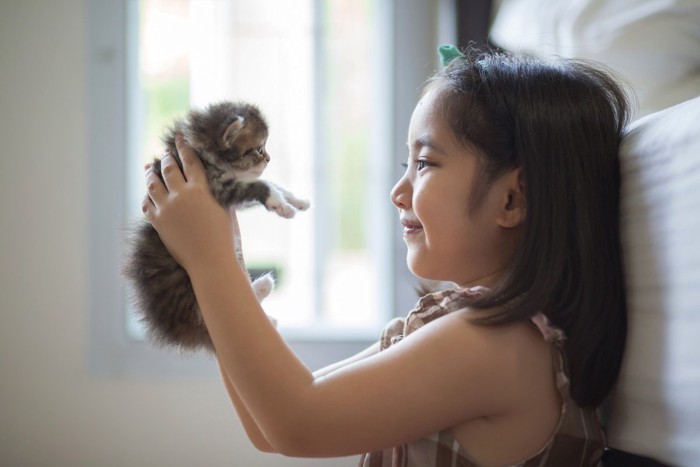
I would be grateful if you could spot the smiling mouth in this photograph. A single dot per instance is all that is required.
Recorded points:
(410, 228)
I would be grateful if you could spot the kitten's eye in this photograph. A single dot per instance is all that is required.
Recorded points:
(261, 150)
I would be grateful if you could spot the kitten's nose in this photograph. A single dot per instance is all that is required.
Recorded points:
(266, 156)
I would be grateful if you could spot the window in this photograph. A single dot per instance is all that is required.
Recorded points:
(325, 74)
(300, 61)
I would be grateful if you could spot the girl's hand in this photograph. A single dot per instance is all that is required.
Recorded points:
(193, 226)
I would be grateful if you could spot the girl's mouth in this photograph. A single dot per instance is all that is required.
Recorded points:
(410, 227)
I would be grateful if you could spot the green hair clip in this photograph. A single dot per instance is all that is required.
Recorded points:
(448, 53)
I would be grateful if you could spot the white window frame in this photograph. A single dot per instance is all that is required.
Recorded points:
(409, 59)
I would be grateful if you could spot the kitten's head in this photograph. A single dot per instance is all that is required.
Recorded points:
(230, 136)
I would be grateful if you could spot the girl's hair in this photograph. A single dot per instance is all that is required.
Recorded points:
(561, 122)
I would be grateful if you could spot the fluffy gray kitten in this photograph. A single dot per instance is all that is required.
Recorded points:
(230, 140)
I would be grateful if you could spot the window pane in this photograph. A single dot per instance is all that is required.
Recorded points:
(307, 64)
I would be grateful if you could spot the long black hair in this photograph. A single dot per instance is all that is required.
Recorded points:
(561, 122)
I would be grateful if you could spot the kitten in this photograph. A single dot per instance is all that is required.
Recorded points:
(230, 140)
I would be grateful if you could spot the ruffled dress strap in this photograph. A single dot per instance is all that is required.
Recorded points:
(429, 308)
(549, 332)
(579, 434)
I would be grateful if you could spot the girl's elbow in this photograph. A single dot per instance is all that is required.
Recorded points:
(300, 433)
(297, 443)
(264, 446)
(260, 442)
(289, 446)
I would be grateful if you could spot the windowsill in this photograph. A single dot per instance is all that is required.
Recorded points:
(137, 358)
(319, 333)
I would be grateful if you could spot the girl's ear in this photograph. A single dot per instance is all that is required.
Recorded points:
(513, 205)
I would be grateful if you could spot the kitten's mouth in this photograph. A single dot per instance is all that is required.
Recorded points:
(258, 169)
(251, 173)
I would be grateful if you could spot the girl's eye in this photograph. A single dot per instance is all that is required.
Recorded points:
(420, 164)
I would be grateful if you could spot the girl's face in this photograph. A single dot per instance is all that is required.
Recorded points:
(445, 241)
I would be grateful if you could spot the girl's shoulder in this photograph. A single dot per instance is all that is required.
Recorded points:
(515, 355)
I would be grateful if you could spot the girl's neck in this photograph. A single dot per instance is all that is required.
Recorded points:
(485, 281)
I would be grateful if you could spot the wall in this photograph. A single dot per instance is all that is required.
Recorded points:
(52, 410)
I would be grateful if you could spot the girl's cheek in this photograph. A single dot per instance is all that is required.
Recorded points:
(422, 199)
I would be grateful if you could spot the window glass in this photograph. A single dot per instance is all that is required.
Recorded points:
(308, 65)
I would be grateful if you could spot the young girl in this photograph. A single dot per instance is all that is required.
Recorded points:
(511, 191)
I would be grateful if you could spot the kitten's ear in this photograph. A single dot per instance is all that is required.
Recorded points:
(233, 132)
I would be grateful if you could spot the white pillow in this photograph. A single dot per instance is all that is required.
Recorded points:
(654, 44)
(655, 409)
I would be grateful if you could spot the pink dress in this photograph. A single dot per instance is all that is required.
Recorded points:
(577, 441)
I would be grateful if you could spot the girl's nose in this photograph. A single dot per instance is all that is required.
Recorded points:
(401, 194)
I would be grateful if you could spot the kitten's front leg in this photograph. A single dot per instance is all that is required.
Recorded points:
(277, 201)
(283, 202)
(299, 203)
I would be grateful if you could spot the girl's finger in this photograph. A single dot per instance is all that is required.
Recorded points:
(191, 163)
(157, 191)
(172, 175)
(148, 208)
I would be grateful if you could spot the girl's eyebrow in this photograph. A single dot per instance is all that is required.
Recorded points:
(425, 141)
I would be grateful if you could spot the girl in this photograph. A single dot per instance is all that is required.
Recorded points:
(510, 191)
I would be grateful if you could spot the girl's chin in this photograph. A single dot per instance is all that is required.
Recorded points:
(419, 269)
(432, 273)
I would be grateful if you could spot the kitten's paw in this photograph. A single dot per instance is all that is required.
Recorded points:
(263, 285)
(298, 203)
(284, 202)
(286, 210)
(280, 206)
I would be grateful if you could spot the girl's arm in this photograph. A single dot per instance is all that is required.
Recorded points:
(445, 373)
(368, 352)
(251, 428)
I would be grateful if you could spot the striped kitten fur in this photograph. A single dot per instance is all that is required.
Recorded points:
(230, 139)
